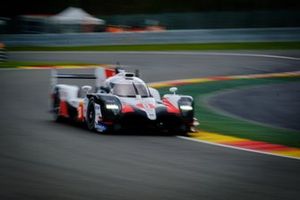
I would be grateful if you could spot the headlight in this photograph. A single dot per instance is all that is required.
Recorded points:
(186, 107)
(112, 106)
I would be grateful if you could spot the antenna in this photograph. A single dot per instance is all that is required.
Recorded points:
(53, 77)
(119, 68)
(137, 73)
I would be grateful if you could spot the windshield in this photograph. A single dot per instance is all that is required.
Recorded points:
(130, 90)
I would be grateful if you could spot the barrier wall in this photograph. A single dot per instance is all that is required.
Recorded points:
(172, 36)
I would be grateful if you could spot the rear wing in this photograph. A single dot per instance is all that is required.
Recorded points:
(100, 75)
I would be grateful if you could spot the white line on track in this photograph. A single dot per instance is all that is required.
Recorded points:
(164, 53)
(236, 148)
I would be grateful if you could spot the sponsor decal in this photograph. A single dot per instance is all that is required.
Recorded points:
(80, 111)
(98, 114)
(100, 127)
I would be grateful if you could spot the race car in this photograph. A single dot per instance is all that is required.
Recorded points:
(119, 101)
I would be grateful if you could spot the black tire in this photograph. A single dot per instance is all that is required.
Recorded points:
(90, 115)
(55, 105)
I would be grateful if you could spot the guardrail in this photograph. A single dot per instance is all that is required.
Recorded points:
(171, 36)
(3, 55)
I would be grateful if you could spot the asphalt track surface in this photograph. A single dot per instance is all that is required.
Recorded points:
(244, 103)
(41, 159)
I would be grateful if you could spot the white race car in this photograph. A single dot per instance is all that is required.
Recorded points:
(121, 101)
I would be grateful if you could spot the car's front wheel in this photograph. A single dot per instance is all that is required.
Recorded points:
(90, 115)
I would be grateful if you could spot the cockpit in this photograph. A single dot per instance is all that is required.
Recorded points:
(129, 89)
(126, 85)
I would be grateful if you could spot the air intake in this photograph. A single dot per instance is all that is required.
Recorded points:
(129, 75)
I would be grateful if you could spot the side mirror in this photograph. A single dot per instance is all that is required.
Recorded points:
(173, 90)
(86, 88)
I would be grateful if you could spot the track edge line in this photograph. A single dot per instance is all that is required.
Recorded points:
(236, 148)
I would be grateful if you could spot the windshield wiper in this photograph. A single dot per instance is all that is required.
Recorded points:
(135, 89)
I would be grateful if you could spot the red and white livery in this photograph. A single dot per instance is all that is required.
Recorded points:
(121, 101)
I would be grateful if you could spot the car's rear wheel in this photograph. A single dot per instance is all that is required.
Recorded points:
(56, 105)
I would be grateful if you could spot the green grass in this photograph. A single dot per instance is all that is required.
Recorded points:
(169, 47)
(12, 64)
(215, 122)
